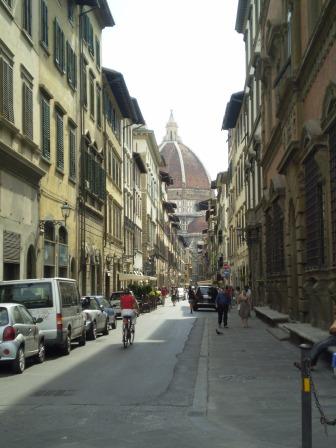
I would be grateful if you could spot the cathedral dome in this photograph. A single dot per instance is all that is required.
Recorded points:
(198, 225)
(181, 163)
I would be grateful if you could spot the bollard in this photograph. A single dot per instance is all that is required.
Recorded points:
(306, 405)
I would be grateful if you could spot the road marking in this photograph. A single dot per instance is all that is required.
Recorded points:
(200, 402)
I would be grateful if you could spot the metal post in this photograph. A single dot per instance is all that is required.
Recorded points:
(306, 405)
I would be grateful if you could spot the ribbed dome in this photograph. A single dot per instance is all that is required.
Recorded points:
(182, 164)
(197, 225)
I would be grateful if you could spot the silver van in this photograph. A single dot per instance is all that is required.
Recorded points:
(57, 302)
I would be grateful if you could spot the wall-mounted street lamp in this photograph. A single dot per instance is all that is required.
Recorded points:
(65, 210)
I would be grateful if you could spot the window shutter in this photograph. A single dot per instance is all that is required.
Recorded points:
(59, 142)
(56, 44)
(27, 109)
(72, 153)
(44, 23)
(74, 69)
(68, 62)
(11, 247)
(45, 122)
(6, 78)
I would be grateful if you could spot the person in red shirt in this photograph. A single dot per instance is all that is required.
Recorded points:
(129, 305)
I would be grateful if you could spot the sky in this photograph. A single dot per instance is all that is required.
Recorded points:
(184, 56)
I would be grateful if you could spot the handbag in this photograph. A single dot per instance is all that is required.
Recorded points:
(332, 329)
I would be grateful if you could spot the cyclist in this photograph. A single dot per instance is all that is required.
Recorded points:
(129, 306)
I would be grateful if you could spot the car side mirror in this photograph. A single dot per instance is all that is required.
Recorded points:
(38, 320)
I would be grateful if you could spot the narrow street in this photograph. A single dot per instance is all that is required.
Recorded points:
(179, 385)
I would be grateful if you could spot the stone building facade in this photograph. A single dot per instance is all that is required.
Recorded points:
(298, 143)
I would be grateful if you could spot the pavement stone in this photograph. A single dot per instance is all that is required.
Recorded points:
(254, 391)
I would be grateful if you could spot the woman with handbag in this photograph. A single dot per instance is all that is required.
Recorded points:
(244, 308)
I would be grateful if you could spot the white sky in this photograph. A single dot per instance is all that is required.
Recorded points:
(183, 55)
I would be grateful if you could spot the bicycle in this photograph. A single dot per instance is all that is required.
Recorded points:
(128, 331)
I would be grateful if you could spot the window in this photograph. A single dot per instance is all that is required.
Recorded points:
(87, 33)
(94, 174)
(27, 16)
(98, 93)
(44, 24)
(315, 211)
(32, 295)
(72, 152)
(6, 89)
(27, 110)
(84, 87)
(45, 127)
(59, 140)
(97, 53)
(92, 100)
(59, 47)
(71, 66)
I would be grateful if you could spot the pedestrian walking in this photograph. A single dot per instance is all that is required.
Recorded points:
(244, 308)
(191, 299)
(223, 301)
(174, 295)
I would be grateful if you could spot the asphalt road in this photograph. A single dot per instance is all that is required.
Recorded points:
(105, 395)
(179, 386)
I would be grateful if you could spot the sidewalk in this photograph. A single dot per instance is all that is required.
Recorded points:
(254, 392)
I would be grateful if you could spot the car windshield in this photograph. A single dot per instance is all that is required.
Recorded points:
(205, 289)
(104, 302)
(3, 317)
(32, 295)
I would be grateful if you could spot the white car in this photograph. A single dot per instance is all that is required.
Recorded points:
(20, 337)
(96, 318)
(56, 301)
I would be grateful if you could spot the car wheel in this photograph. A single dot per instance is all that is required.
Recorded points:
(93, 331)
(66, 348)
(106, 328)
(82, 339)
(114, 325)
(40, 357)
(19, 362)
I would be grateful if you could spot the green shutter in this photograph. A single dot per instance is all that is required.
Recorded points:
(45, 131)
(44, 23)
(6, 92)
(27, 111)
(72, 153)
(59, 142)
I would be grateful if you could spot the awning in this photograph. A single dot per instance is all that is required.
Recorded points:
(135, 277)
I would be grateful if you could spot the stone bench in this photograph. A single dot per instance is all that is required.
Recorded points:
(305, 332)
(271, 316)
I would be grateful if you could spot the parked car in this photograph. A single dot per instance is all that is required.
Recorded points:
(115, 302)
(96, 319)
(20, 337)
(205, 297)
(109, 310)
(56, 301)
